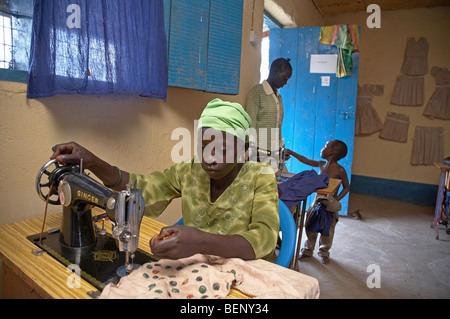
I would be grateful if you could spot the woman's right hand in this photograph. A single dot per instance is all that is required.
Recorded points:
(72, 153)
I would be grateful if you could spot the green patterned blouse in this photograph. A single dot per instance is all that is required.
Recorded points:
(248, 207)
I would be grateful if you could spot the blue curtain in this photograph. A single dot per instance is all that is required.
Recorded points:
(98, 47)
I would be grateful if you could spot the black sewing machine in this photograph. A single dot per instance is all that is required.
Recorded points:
(262, 155)
(102, 258)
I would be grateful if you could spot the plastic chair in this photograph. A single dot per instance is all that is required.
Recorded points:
(289, 233)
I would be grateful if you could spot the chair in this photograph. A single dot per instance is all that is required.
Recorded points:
(289, 233)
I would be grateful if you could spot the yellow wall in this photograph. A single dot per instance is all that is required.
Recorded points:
(381, 57)
(134, 133)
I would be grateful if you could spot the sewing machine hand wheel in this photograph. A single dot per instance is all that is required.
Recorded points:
(42, 183)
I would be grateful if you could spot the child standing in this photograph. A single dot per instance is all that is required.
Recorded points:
(333, 151)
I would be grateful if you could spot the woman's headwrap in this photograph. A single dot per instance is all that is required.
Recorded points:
(228, 117)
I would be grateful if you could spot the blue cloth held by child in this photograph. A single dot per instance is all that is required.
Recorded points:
(300, 186)
(320, 221)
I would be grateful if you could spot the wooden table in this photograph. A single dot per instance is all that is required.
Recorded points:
(333, 186)
(27, 276)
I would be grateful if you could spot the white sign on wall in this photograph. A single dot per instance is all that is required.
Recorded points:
(323, 63)
(325, 80)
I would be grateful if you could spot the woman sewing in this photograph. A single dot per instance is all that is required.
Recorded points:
(229, 207)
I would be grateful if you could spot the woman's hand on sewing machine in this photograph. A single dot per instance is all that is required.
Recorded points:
(73, 153)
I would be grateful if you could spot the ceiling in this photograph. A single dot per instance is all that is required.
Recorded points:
(335, 7)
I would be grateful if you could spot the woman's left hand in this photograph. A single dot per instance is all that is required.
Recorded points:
(174, 242)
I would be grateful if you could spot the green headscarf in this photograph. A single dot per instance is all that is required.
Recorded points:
(227, 117)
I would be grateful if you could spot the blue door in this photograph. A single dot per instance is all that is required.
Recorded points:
(313, 113)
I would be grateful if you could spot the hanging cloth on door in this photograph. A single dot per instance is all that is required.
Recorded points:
(346, 38)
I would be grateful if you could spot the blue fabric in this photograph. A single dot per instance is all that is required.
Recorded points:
(300, 186)
(320, 220)
(118, 48)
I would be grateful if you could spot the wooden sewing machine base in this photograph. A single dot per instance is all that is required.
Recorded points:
(99, 264)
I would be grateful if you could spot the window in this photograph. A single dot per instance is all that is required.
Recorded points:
(15, 38)
(98, 47)
(102, 56)
(204, 44)
(5, 41)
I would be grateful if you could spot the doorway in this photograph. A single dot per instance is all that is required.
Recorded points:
(269, 23)
(315, 110)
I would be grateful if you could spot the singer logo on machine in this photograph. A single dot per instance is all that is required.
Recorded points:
(88, 197)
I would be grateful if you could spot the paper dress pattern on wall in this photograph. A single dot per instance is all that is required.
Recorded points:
(367, 120)
(409, 86)
(439, 104)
